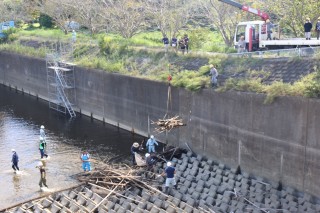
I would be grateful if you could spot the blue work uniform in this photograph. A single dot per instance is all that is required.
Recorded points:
(85, 162)
(150, 144)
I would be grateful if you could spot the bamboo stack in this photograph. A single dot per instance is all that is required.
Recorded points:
(168, 124)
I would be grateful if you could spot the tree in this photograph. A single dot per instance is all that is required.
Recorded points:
(169, 16)
(12, 10)
(224, 17)
(89, 14)
(126, 17)
(292, 14)
(59, 10)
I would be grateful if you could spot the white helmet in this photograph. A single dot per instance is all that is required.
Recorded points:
(152, 137)
(13, 150)
(41, 138)
(147, 155)
(40, 164)
(42, 127)
(169, 164)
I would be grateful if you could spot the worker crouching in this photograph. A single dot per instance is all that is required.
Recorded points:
(135, 148)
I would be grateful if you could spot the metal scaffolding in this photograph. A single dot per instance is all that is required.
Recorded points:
(61, 83)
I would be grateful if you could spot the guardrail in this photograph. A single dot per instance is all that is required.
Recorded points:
(295, 52)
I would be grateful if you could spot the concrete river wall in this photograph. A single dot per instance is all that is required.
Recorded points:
(278, 141)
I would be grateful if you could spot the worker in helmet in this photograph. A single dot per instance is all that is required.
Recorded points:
(42, 132)
(151, 144)
(43, 180)
(135, 148)
(42, 147)
(15, 160)
(85, 158)
(169, 172)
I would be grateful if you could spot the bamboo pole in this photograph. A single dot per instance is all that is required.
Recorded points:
(105, 197)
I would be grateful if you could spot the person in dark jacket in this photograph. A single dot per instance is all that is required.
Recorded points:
(182, 45)
(15, 160)
(174, 43)
(169, 172)
(270, 26)
(165, 42)
(134, 148)
(307, 29)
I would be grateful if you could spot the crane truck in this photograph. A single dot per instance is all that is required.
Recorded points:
(255, 33)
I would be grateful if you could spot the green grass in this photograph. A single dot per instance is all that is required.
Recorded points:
(29, 51)
(112, 53)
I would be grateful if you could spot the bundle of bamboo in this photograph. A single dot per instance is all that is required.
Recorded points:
(168, 124)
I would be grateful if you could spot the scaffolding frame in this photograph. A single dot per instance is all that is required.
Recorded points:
(60, 82)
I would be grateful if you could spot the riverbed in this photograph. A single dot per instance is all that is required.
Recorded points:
(21, 116)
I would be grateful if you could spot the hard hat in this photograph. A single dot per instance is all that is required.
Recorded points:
(147, 155)
(13, 150)
(211, 65)
(42, 127)
(151, 136)
(41, 138)
(135, 144)
(40, 164)
(169, 164)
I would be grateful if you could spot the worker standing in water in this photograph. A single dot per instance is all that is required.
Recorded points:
(151, 144)
(15, 160)
(85, 158)
(42, 147)
(43, 180)
(42, 132)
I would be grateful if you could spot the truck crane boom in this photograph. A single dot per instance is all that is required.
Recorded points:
(257, 12)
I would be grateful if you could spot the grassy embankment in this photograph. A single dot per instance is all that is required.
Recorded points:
(143, 56)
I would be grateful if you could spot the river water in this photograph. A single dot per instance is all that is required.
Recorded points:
(21, 116)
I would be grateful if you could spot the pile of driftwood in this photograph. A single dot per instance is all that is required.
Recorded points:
(109, 177)
(168, 124)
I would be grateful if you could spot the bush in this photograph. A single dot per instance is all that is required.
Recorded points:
(9, 35)
(45, 21)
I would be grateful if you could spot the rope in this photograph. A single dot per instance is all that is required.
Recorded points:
(169, 101)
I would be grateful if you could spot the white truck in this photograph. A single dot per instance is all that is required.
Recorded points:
(255, 33)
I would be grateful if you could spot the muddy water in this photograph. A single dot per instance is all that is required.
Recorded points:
(21, 116)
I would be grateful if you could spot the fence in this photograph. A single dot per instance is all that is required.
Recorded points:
(296, 52)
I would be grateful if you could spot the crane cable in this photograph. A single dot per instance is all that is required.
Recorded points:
(169, 97)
